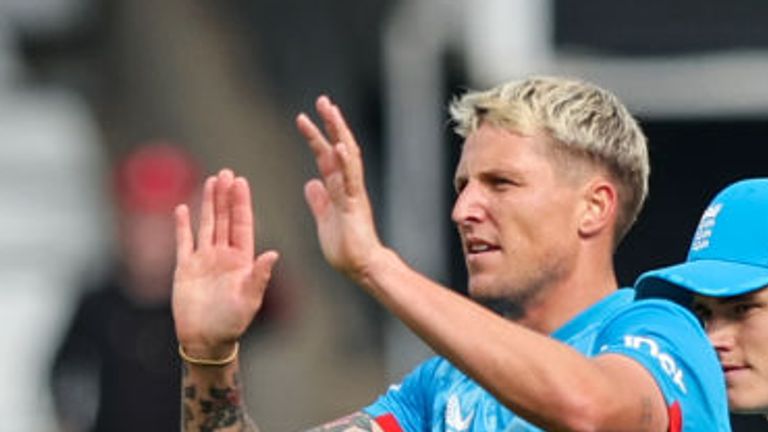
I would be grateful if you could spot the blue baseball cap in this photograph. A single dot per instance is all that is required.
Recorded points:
(728, 255)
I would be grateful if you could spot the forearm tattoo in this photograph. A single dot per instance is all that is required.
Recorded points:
(213, 408)
(219, 408)
(357, 422)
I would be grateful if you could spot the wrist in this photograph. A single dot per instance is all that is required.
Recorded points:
(381, 261)
(209, 361)
(209, 351)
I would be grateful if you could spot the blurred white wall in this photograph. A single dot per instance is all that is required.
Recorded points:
(51, 221)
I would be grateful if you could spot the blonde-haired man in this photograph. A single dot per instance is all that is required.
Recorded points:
(552, 174)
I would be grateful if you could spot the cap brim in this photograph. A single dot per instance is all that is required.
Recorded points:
(705, 277)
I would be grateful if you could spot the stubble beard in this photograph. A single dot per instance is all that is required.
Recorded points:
(514, 300)
(511, 305)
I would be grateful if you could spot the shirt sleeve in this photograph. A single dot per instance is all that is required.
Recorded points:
(405, 406)
(669, 342)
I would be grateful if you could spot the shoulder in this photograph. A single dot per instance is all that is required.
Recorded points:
(655, 325)
(671, 344)
(662, 315)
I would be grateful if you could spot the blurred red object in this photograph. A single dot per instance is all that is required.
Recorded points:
(155, 177)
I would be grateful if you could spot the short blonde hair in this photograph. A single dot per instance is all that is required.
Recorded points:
(581, 118)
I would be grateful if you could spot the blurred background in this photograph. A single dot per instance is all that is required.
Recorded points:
(112, 110)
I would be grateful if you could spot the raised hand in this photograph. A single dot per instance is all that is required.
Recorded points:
(218, 285)
(338, 199)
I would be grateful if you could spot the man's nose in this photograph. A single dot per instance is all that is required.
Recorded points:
(468, 206)
(722, 334)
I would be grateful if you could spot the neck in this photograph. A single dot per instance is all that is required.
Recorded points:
(558, 303)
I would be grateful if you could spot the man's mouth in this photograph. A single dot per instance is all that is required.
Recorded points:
(480, 246)
(731, 369)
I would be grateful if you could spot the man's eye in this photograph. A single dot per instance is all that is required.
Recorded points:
(702, 313)
(501, 182)
(743, 308)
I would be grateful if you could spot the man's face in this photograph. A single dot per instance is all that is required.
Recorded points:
(148, 248)
(516, 215)
(738, 329)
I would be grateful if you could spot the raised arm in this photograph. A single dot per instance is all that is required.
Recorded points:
(544, 381)
(218, 288)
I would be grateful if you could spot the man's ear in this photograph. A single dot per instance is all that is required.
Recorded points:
(600, 207)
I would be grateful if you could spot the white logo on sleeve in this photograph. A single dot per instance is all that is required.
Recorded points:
(453, 417)
(666, 361)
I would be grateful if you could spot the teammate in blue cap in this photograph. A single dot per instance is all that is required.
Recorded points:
(725, 280)
(553, 173)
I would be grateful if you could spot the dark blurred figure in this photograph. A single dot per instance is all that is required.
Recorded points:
(117, 368)
(749, 423)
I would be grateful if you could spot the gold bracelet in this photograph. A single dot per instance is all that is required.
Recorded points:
(206, 362)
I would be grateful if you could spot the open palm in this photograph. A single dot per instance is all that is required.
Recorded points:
(338, 199)
(218, 285)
